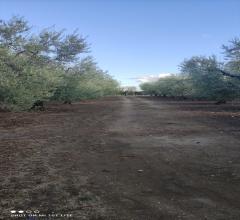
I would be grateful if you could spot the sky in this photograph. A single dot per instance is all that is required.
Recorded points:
(137, 39)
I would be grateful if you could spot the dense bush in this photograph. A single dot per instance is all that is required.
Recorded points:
(46, 66)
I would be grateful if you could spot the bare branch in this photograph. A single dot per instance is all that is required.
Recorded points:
(229, 74)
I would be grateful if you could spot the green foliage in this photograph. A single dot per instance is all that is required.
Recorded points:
(207, 81)
(86, 81)
(203, 77)
(232, 53)
(167, 86)
(23, 84)
(46, 66)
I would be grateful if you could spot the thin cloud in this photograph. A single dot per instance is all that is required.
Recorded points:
(151, 77)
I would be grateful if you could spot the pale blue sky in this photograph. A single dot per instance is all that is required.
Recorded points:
(136, 37)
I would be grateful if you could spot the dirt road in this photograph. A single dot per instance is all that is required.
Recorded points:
(135, 158)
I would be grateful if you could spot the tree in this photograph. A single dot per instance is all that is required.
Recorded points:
(48, 45)
(46, 66)
(200, 77)
(168, 86)
(86, 80)
(206, 79)
(149, 88)
(232, 53)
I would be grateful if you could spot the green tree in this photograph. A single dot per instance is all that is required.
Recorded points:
(46, 66)
(206, 79)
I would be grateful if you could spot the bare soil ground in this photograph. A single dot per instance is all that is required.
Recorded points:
(133, 158)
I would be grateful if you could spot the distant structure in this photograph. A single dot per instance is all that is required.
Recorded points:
(130, 90)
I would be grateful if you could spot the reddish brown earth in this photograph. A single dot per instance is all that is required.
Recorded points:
(133, 158)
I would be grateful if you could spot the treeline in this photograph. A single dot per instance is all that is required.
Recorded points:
(47, 66)
(203, 78)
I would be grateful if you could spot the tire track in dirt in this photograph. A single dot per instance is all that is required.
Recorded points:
(172, 151)
(120, 158)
